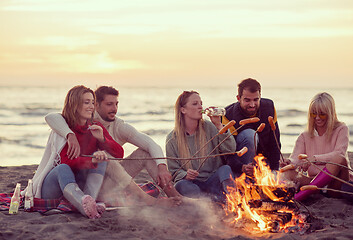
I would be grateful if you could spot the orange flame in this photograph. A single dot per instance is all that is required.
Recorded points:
(259, 187)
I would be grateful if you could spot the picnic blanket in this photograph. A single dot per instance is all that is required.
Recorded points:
(43, 205)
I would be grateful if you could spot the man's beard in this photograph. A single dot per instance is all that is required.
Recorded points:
(106, 118)
(250, 113)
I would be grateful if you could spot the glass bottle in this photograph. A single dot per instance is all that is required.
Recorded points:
(214, 111)
(15, 200)
(29, 197)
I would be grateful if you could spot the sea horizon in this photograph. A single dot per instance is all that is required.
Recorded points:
(24, 132)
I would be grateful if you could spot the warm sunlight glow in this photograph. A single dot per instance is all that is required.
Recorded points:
(156, 42)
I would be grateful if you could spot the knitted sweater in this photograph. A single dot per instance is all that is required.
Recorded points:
(89, 145)
(211, 165)
(50, 159)
(322, 148)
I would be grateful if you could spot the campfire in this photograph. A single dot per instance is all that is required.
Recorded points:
(262, 203)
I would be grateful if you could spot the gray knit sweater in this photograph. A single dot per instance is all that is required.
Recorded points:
(211, 165)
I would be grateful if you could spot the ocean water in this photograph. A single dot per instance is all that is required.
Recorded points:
(24, 133)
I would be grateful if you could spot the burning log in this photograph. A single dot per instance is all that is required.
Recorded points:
(264, 205)
(264, 200)
(281, 193)
(279, 219)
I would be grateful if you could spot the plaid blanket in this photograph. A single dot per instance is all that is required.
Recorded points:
(43, 205)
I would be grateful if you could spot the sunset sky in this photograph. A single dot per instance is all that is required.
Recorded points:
(162, 43)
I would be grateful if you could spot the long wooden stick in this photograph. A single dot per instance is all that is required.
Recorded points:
(273, 127)
(223, 130)
(240, 153)
(292, 167)
(170, 158)
(337, 164)
(304, 157)
(314, 187)
(243, 150)
(242, 123)
(259, 129)
(204, 160)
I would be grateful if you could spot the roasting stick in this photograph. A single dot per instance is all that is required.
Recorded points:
(273, 127)
(170, 158)
(240, 153)
(337, 164)
(313, 187)
(291, 166)
(305, 157)
(223, 130)
(243, 150)
(259, 129)
(220, 132)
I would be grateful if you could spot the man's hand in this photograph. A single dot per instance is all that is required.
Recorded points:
(164, 176)
(74, 149)
(191, 174)
(248, 169)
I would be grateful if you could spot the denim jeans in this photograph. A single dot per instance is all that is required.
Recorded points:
(81, 176)
(213, 185)
(61, 175)
(244, 139)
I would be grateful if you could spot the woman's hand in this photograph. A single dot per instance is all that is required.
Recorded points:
(216, 120)
(97, 132)
(99, 156)
(285, 162)
(304, 164)
(191, 174)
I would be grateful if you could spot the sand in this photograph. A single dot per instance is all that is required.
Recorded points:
(201, 220)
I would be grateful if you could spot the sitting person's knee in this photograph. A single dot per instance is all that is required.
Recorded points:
(141, 153)
(187, 188)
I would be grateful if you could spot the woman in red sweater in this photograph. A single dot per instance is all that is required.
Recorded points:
(72, 175)
(325, 141)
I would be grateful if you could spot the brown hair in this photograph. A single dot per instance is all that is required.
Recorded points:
(73, 102)
(105, 90)
(249, 84)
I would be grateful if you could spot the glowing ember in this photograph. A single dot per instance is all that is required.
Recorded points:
(263, 201)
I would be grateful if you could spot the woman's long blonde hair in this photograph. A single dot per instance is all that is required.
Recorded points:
(73, 102)
(180, 132)
(323, 103)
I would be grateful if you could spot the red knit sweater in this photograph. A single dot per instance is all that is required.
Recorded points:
(89, 145)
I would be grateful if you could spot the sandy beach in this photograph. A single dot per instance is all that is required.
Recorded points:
(202, 220)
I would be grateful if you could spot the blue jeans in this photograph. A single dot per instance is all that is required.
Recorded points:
(61, 175)
(81, 176)
(213, 185)
(244, 139)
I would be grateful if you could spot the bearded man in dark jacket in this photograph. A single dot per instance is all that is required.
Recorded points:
(250, 104)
